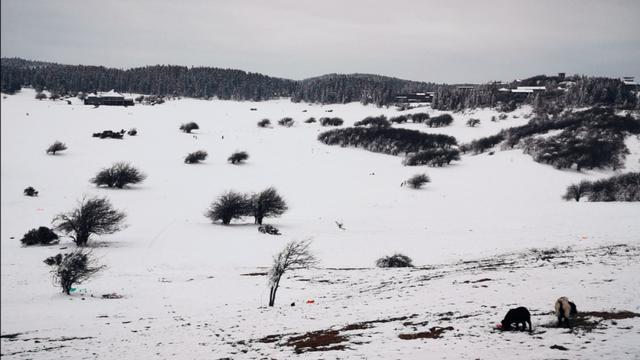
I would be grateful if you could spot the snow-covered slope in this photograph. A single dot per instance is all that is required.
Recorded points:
(171, 262)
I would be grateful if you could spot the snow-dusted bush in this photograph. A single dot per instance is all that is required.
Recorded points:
(439, 121)
(56, 147)
(269, 229)
(375, 121)
(109, 134)
(433, 157)
(577, 191)
(118, 175)
(391, 141)
(625, 187)
(267, 203)
(394, 261)
(479, 146)
(334, 121)
(417, 180)
(188, 127)
(296, 254)
(264, 123)
(73, 268)
(30, 191)
(473, 122)
(310, 120)
(230, 205)
(93, 216)
(40, 236)
(238, 157)
(41, 96)
(286, 122)
(196, 157)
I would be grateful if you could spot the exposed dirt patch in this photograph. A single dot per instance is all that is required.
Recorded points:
(558, 347)
(433, 333)
(255, 274)
(323, 340)
(609, 315)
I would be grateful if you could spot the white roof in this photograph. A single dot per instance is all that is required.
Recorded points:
(111, 93)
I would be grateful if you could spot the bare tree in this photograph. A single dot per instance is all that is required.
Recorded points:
(73, 268)
(230, 205)
(118, 175)
(295, 255)
(267, 203)
(92, 216)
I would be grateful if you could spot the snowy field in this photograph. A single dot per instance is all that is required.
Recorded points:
(186, 291)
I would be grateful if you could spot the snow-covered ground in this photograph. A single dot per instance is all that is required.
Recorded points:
(181, 276)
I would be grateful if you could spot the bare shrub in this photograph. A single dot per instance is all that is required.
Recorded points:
(286, 122)
(264, 123)
(118, 175)
(238, 157)
(230, 205)
(73, 268)
(416, 181)
(195, 157)
(55, 147)
(394, 261)
(189, 127)
(40, 236)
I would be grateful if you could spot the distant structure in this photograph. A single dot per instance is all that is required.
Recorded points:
(629, 80)
(421, 97)
(110, 98)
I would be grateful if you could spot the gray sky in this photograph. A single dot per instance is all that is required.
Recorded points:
(442, 41)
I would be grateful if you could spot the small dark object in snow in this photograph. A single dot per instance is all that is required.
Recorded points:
(558, 347)
(132, 132)
(394, 261)
(30, 191)
(112, 296)
(254, 109)
(293, 304)
(269, 229)
(329, 110)
(108, 134)
(516, 316)
(491, 152)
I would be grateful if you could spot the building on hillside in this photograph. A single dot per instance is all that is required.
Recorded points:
(421, 97)
(110, 98)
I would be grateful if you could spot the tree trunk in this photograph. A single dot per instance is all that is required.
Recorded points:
(82, 238)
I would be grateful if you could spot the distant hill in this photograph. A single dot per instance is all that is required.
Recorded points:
(231, 84)
(202, 82)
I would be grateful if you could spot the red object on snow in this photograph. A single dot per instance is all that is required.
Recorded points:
(310, 301)
(498, 326)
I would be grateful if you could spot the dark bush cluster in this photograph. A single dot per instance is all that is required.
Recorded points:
(195, 157)
(400, 119)
(40, 95)
(238, 157)
(132, 132)
(417, 181)
(264, 123)
(30, 191)
(189, 127)
(386, 140)
(479, 146)
(72, 268)
(56, 147)
(40, 236)
(394, 261)
(584, 148)
(310, 120)
(118, 175)
(374, 121)
(439, 121)
(233, 205)
(331, 121)
(433, 157)
(109, 134)
(625, 187)
(286, 122)
(419, 117)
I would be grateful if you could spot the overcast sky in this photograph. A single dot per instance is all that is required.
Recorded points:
(441, 41)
